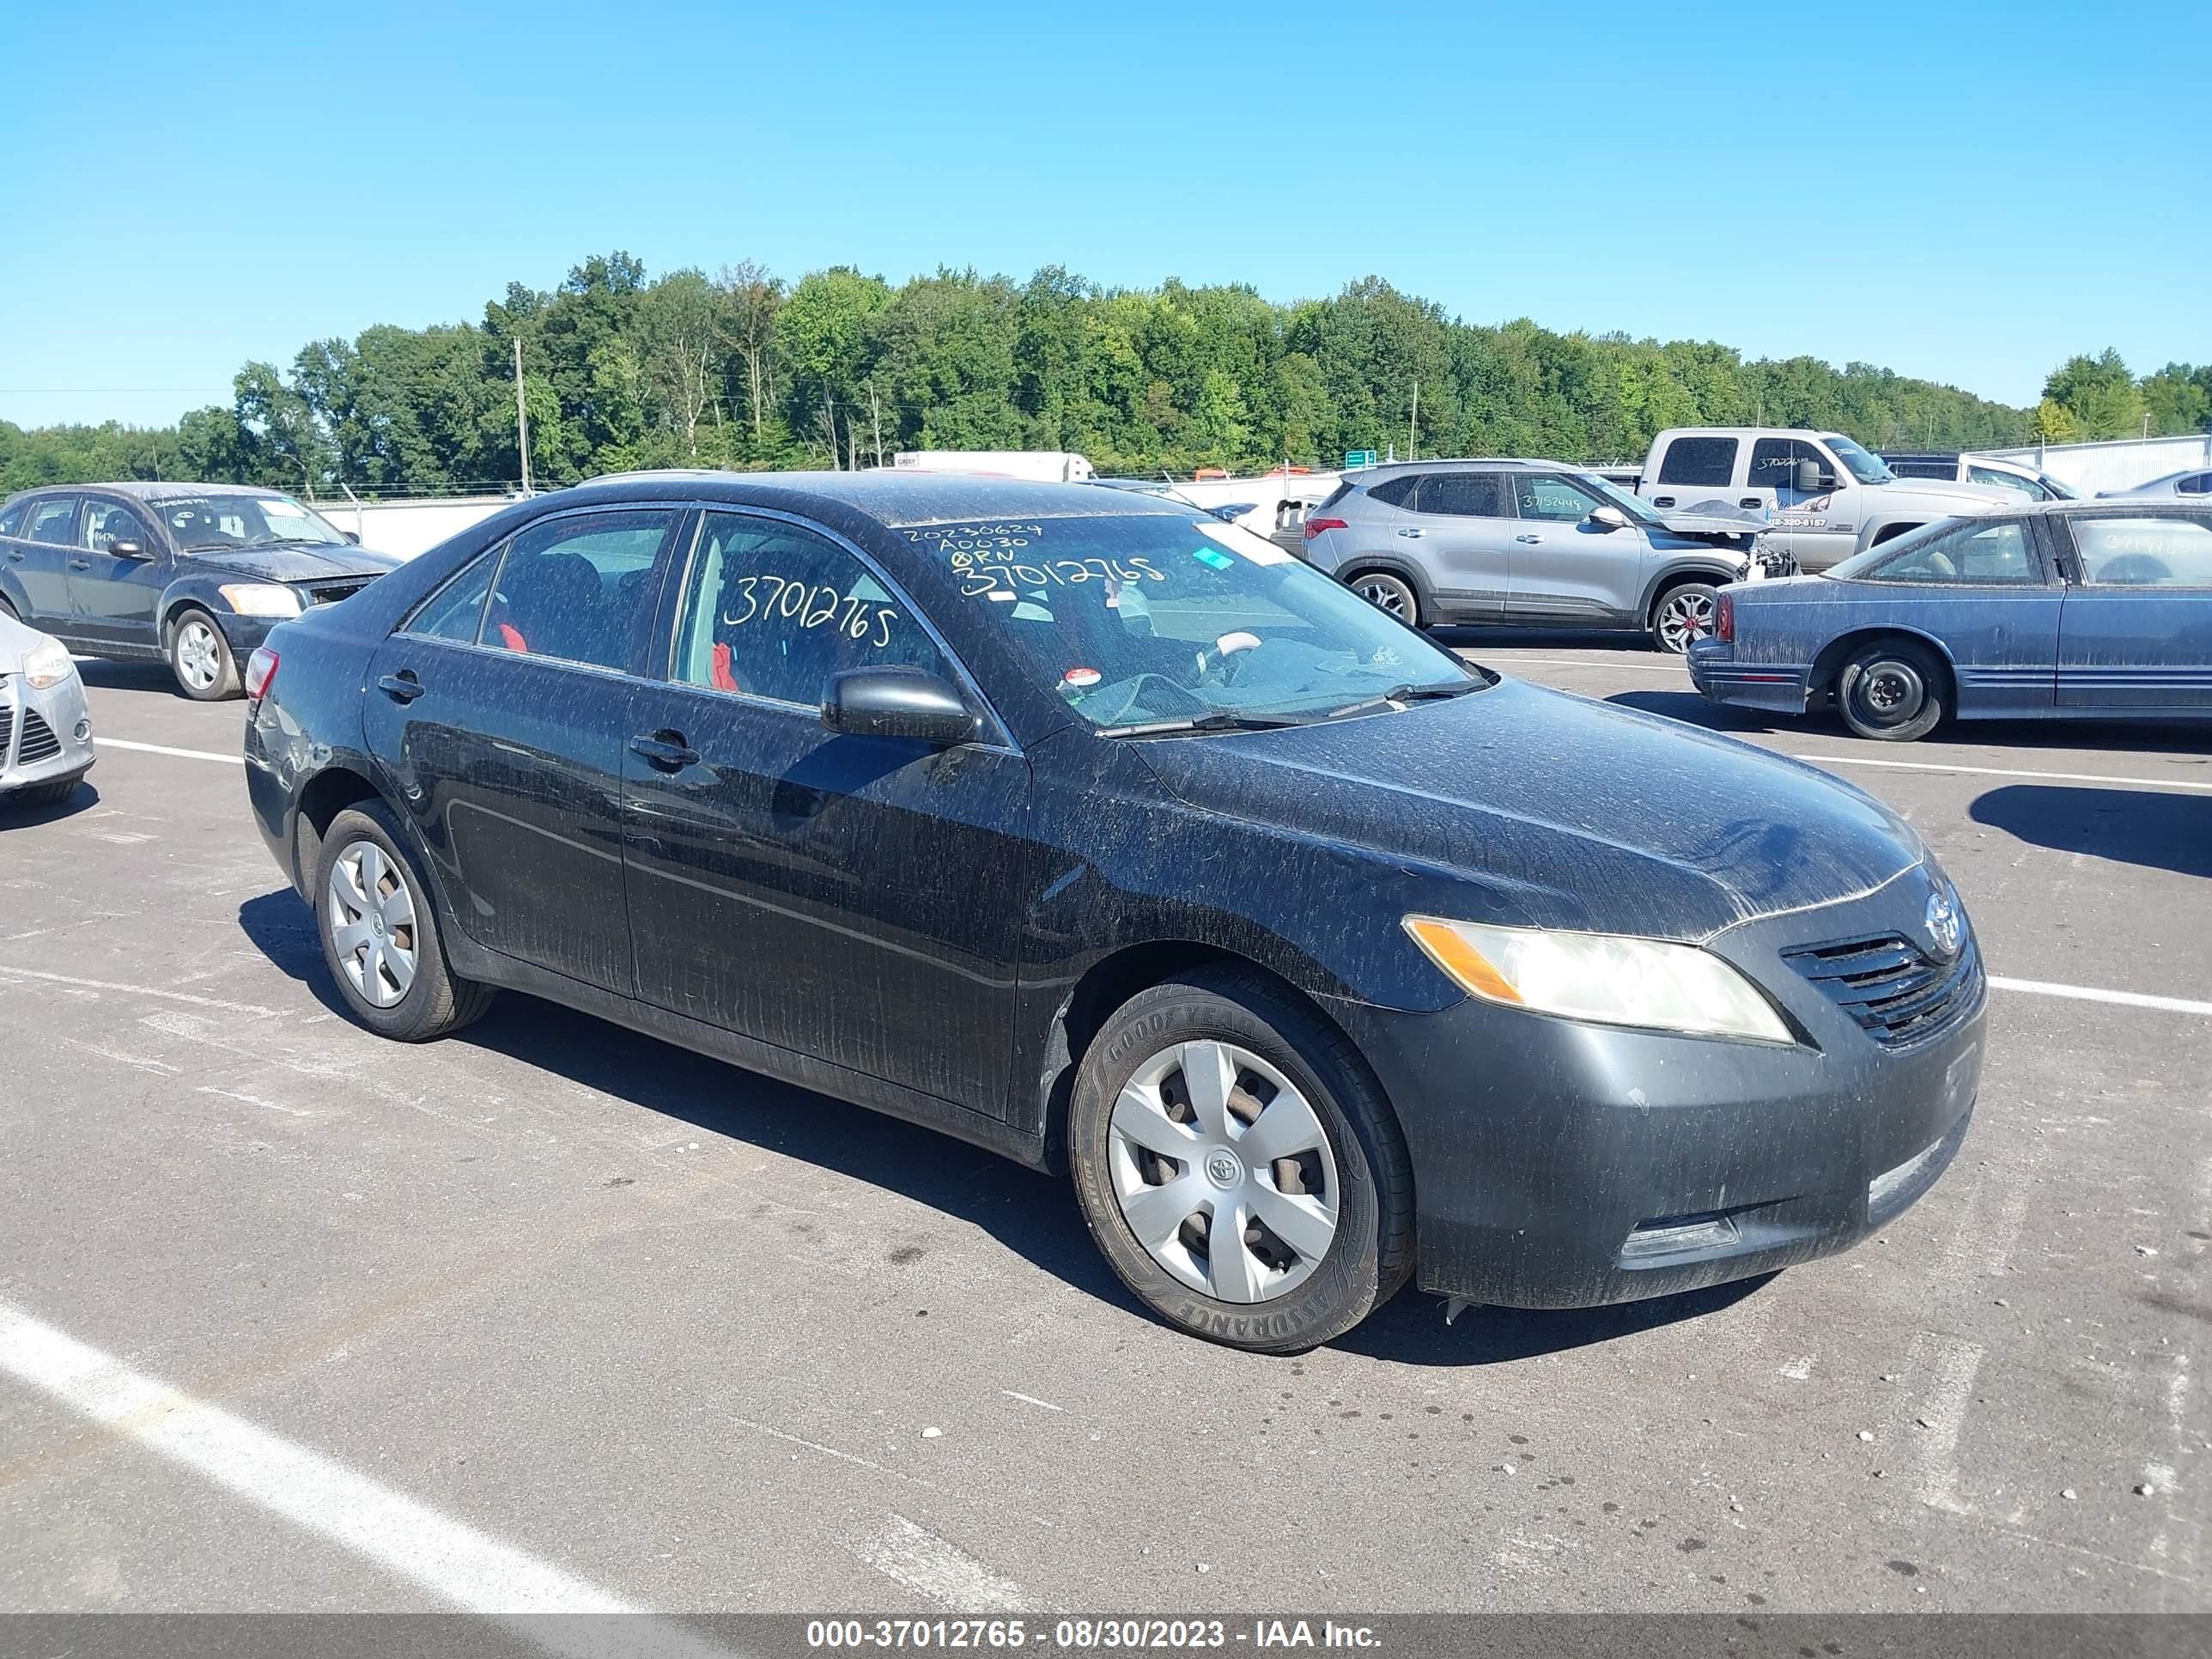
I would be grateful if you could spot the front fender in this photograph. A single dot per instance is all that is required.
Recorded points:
(203, 591)
(1708, 570)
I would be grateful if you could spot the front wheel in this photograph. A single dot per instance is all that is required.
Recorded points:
(200, 658)
(1892, 692)
(1393, 593)
(1238, 1166)
(1688, 613)
(379, 933)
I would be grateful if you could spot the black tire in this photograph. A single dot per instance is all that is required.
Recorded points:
(437, 1000)
(194, 631)
(1892, 691)
(1389, 591)
(43, 794)
(1371, 1253)
(1684, 613)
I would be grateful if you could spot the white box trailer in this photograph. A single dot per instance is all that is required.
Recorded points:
(1046, 466)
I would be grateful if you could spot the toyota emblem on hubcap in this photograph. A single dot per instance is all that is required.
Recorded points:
(1223, 1169)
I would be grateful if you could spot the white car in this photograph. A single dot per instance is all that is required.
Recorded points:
(45, 729)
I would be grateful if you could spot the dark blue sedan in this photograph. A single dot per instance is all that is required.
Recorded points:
(2049, 610)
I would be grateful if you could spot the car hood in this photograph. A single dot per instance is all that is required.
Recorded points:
(17, 642)
(1954, 498)
(1559, 812)
(1711, 519)
(295, 564)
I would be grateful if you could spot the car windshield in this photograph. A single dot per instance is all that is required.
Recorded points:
(1639, 511)
(1865, 467)
(1161, 619)
(204, 524)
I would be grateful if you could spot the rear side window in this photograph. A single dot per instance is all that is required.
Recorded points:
(2144, 552)
(1396, 492)
(2199, 483)
(575, 589)
(1465, 495)
(53, 520)
(1976, 555)
(455, 611)
(1924, 470)
(1699, 461)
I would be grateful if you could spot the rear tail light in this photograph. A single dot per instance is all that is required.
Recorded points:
(1314, 527)
(1724, 620)
(260, 673)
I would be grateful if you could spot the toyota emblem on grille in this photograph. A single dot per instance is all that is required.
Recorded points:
(1946, 926)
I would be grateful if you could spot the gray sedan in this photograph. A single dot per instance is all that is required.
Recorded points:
(45, 730)
(2191, 483)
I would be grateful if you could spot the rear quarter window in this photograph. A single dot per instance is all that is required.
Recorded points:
(1703, 461)
(1396, 492)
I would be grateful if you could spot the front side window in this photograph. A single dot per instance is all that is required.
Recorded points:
(772, 610)
(574, 589)
(53, 521)
(1707, 462)
(1554, 500)
(212, 523)
(1972, 555)
(2144, 552)
(1162, 618)
(106, 523)
(1774, 462)
(1465, 495)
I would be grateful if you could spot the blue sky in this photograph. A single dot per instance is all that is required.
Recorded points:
(1968, 191)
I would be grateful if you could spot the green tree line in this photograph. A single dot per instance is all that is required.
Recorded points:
(742, 369)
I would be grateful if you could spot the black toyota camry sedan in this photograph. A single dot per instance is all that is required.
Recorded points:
(1111, 837)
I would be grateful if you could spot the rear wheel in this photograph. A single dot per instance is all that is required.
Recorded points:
(1683, 615)
(1238, 1166)
(200, 658)
(1892, 691)
(380, 932)
(1393, 593)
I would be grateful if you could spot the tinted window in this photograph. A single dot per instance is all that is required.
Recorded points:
(455, 611)
(1395, 492)
(2144, 552)
(773, 610)
(11, 517)
(2197, 484)
(1554, 500)
(1774, 462)
(1975, 554)
(1334, 496)
(574, 589)
(1925, 468)
(53, 520)
(105, 523)
(1699, 461)
(1464, 495)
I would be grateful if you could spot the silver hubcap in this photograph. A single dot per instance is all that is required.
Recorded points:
(372, 923)
(198, 655)
(1385, 594)
(1222, 1172)
(1685, 617)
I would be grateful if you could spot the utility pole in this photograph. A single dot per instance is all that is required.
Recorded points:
(829, 421)
(1413, 450)
(875, 419)
(521, 417)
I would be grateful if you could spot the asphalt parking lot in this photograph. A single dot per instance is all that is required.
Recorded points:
(626, 1324)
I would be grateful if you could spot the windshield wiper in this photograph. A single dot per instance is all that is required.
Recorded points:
(1219, 721)
(1408, 694)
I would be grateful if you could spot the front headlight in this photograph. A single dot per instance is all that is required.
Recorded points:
(261, 599)
(1604, 977)
(47, 665)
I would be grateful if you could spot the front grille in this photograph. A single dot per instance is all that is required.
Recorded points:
(331, 593)
(40, 742)
(1891, 987)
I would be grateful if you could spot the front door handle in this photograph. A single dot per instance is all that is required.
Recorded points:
(1751, 500)
(402, 687)
(665, 750)
(1528, 538)
(1412, 533)
(1662, 501)
(80, 564)
(14, 557)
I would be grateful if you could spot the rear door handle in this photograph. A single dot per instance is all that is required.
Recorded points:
(1662, 501)
(665, 751)
(1528, 538)
(1751, 500)
(1412, 533)
(80, 564)
(14, 557)
(402, 687)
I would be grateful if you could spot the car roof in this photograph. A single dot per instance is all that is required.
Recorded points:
(148, 490)
(2156, 507)
(892, 497)
(1497, 462)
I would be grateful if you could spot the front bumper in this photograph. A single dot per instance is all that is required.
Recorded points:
(46, 735)
(1777, 687)
(244, 634)
(1558, 1164)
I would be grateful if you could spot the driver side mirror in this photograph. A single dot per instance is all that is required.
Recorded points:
(897, 703)
(128, 549)
(1608, 516)
(1813, 478)
(353, 535)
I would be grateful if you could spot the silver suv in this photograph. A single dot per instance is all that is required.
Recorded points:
(1535, 542)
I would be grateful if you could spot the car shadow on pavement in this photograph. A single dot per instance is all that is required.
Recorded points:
(130, 676)
(1033, 1215)
(15, 814)
(2158, 831)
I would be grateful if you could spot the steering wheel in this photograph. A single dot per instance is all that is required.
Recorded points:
(1221, 663)
(1195, 705)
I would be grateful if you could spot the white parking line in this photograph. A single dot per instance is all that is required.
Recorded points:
(920, 1560)
(7, 971)
(406, 1538)
(2091, 994)
(99, 744)
(2003, 771)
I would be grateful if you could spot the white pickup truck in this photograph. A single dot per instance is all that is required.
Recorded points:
(1825, 496)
